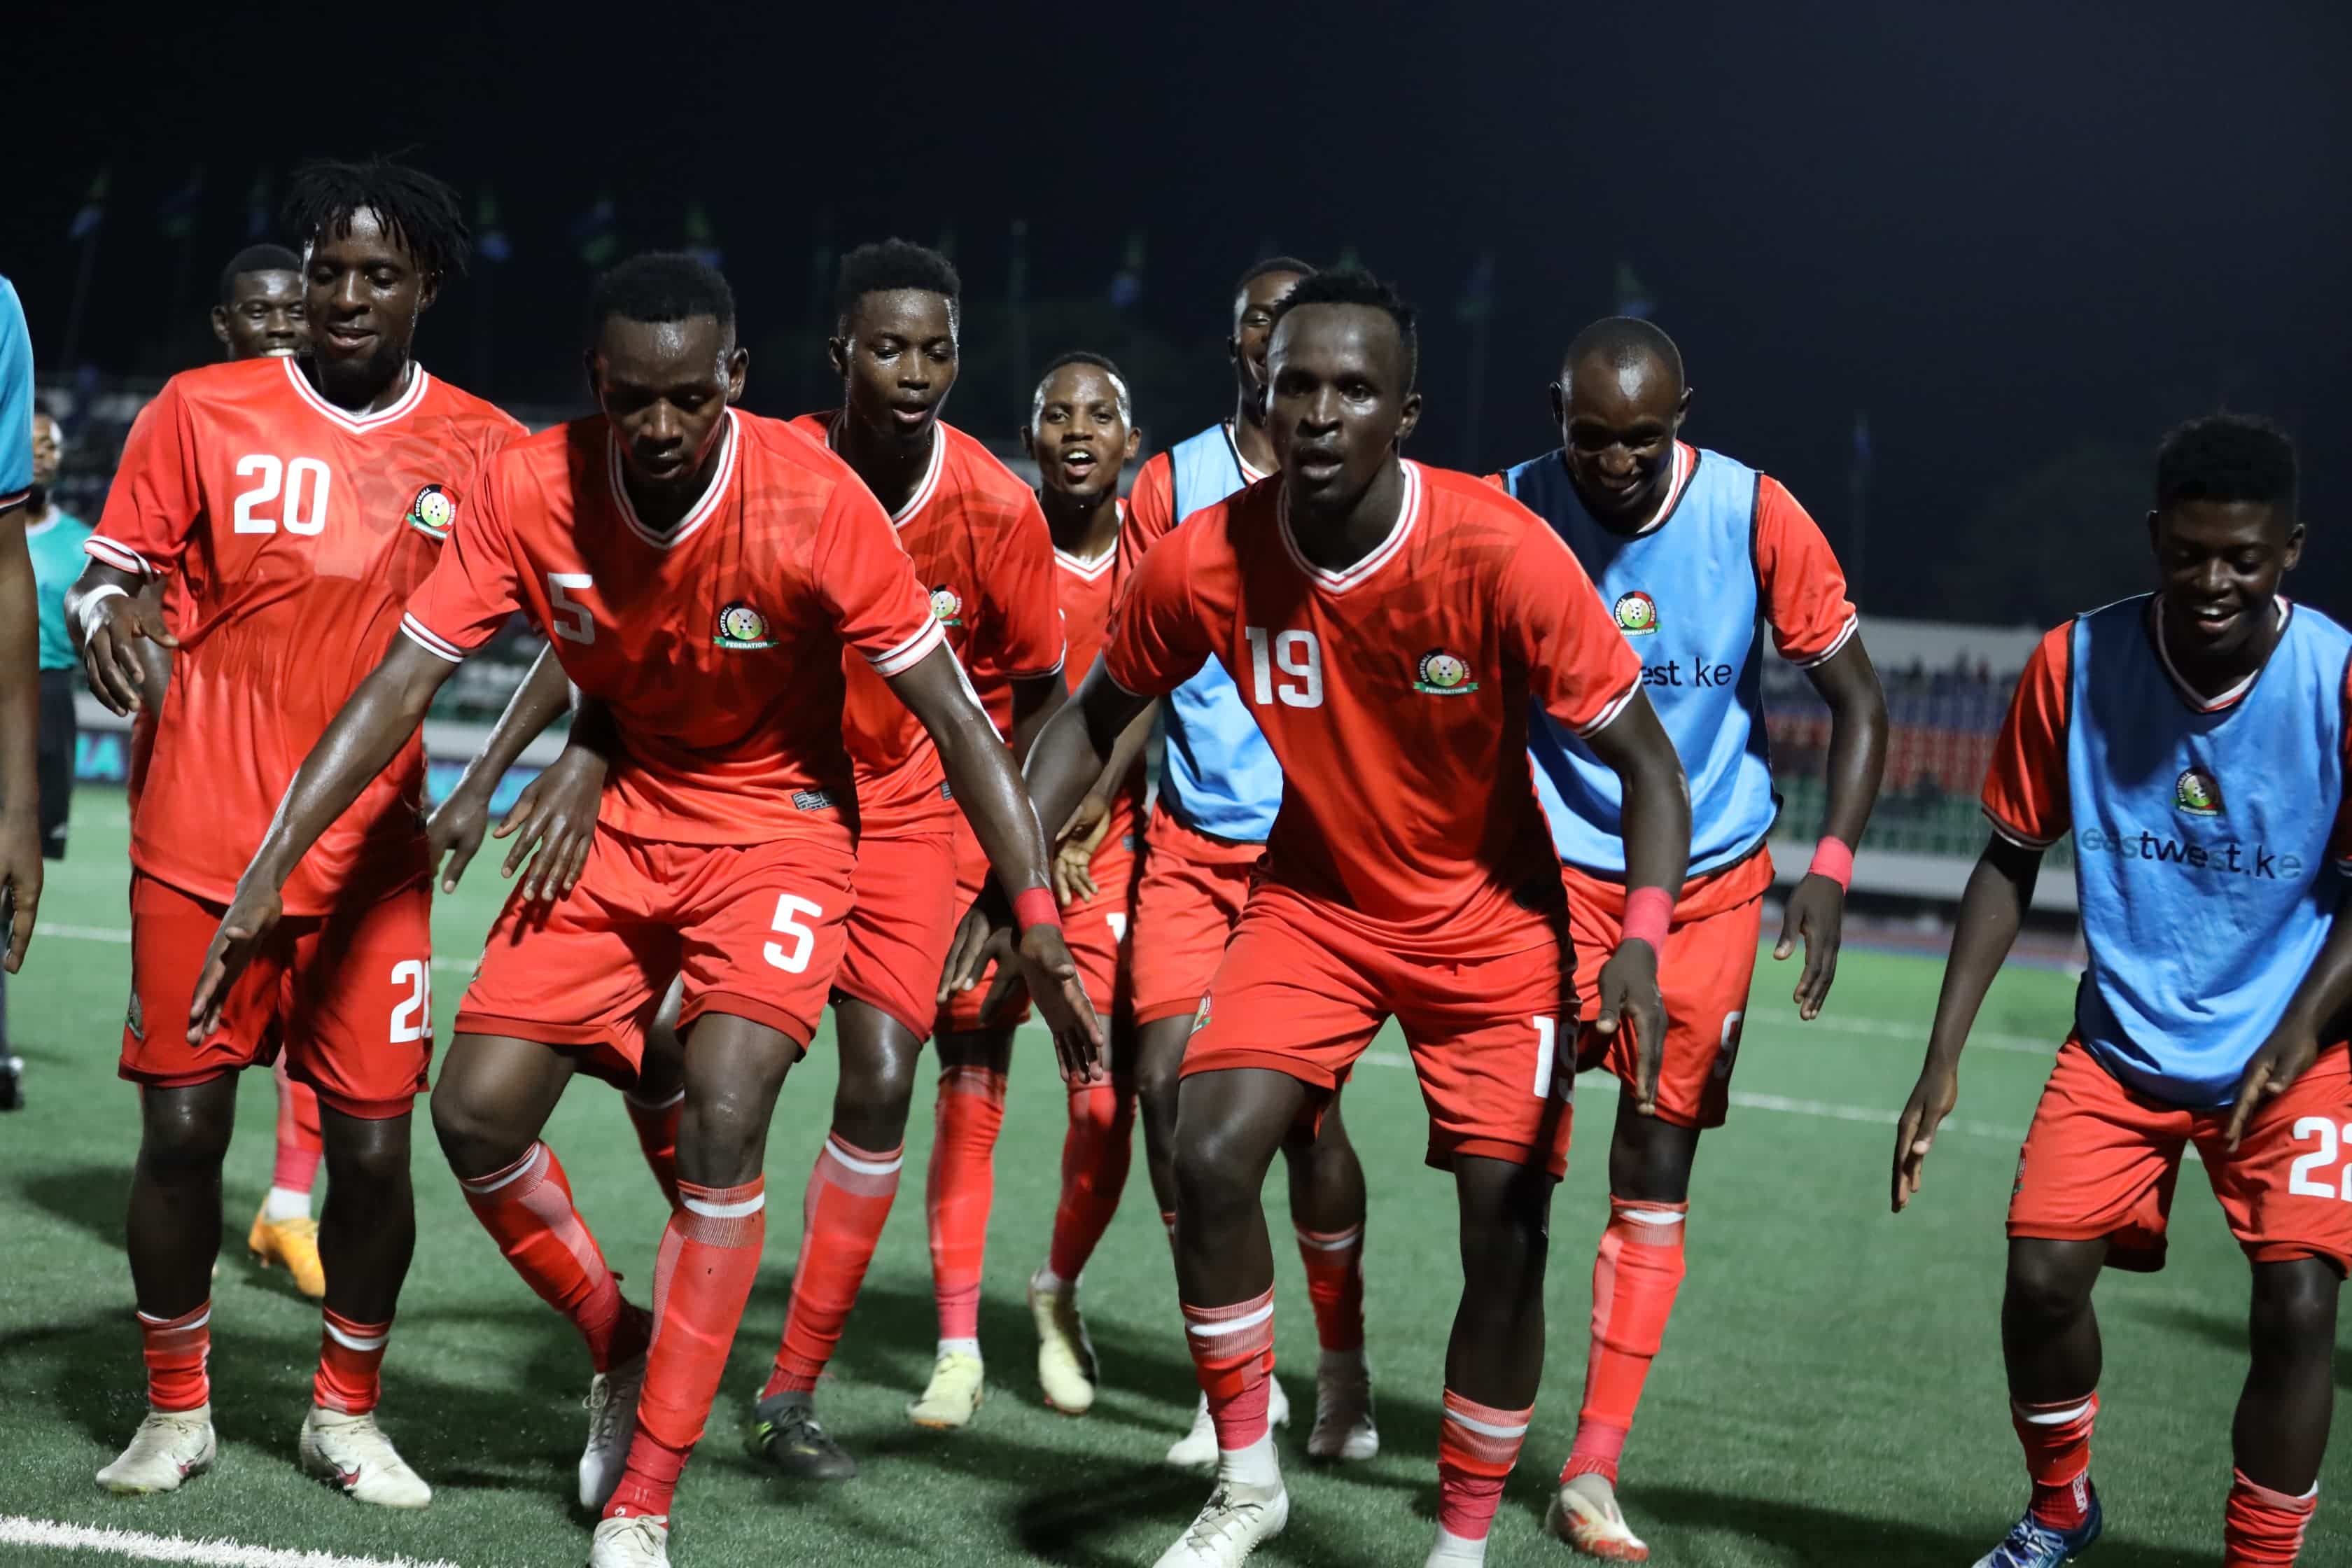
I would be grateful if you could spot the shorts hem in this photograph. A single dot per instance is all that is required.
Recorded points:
(1305, 1072)
(752, 1010)
(146, 1080)
(854, 993)
(2132, 1260)
(2291, 1251)
(364, 1110)
(473, 1022)
(1444, 1150)
(1151, 1013)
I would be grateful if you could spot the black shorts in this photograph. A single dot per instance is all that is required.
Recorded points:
(56, 759)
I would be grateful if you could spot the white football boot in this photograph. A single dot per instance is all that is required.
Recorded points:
(352, 1453)
(169, 1446)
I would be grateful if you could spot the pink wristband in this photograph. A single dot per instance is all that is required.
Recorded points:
(1036, 907)
(1833, 859)
(1648, 912)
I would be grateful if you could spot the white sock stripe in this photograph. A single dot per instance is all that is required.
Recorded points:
(834, 1150)
(1322, 1243)
(1230, 1325)
(727, 1211)
(656, 1104)
(1486, 1429)
(1651, 1217)
(2054, 1417)
(357, 1342)
(159, 1322)
(485, 1185)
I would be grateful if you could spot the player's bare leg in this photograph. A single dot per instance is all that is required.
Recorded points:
(958, 1194)
(710, 1257)
(495, 1096)
(1634, 1281)
(1493, 1359)
(1228, 1127)
(172, 1231)
(1326, 1212)
(849, 1197)
(2050, 1338)
(2279, 1436)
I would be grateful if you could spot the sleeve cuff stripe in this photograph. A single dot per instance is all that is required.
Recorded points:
(1608, 715)
(1122, 685)
(431, 641)
(910, 653)
(2023, 840)
(115, 555)
(11, 497)
(1845, 635)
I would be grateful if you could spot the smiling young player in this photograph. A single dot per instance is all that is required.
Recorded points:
(2195, 742)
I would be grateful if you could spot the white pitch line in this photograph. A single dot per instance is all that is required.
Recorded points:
(18, 1531)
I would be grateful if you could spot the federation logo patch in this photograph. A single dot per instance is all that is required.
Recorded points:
(1444, 674)
(1201, 1015)
(742, 626)
(1637, 614)
(433, 512)
(947, 605)
(135, 1020)
(2197, 793)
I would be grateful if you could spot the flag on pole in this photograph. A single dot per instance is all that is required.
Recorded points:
(593, 232)
(702, 241)
(1477, 301)
(257, 206)
(92, 211)
(1127, 283)
(489, 233)
(177, 216)
(1633, 299)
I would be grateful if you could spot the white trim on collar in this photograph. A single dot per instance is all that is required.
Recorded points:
(923, 490)
(722, 478)
(1250, 473)
(360, 423)
(2197, 699)
(1085, 567)
(1408, 513)
(1686, 464)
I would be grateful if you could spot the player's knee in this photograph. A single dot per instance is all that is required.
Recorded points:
(471, 1135)
(1216, 1176)
(369, 1155)
(183, 1134)
(2295, 1306)
(2044, 1289)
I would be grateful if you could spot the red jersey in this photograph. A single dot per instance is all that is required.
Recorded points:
(1086, 587)
(718, 644)
(296, 529)
(1395, 696)
(981, 548)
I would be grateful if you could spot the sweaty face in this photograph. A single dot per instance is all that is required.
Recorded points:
(263, 316)
(1338, 403)
(665, 386)
(1617, 426)
(2222, 561)
(1080, 437)
(897, 353)
(46, 450)
(1253, 322)
(362, 293)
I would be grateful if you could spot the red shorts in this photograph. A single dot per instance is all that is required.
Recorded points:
(1192, 892)
(348, 997)
(751, 929)
(1703, 977)
(1099, 932)
(1300, 993)
(904, 918)
(2100, 1161)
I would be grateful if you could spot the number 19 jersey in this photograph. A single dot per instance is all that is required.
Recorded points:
(297, 531)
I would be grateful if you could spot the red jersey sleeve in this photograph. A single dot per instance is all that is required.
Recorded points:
(1579, 666)
(1804, 588)
(1025, 598)
(473, 585)
(866, 579)
(1156, 640)
(1148, 508)
(151, 507)
(2025, 786)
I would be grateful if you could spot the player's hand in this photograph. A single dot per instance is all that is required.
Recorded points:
(984, 936)
(252, 915)
(20, 882)
(1630, 1000)
(556, 813)
(1816, 914)
(2294, 1046)
(1932, 1100)
(111, 628)
(1044, 961)
(455, 832)
(1074, 855)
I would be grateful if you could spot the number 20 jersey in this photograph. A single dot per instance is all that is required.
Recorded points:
(297, 530)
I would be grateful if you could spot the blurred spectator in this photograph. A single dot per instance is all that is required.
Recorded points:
(54, 537)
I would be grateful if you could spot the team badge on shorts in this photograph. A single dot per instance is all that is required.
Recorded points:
(1444, 674)
(947, 605)
(2197, 793)
(1199, 1016)
(1637, 614)
(431, 513)
(742, 626)
(135, 1020)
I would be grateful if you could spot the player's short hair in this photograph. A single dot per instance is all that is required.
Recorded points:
(1273, 264)
(1623, 341)
(1081, 356)
(256, 259)
(1347, 286)
(661, 286)
(2228, 457)
(890, 264)
(418, 210)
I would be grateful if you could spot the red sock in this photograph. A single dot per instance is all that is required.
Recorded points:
(1476, 1446)
(176, 1350)
(1095, 1154)
(527, 1208)
(2263, 1529)
(300, 1143)
(1335, 1284)
(2057, 1442)
(709, 1255)
(1233, 1355)
(657, 1137)
(960, 1189)
(849, 1196)
(1634, 1283)
(350, 1365)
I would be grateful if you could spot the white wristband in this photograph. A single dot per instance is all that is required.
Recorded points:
(92, 602)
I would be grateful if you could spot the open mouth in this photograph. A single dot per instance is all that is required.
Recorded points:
(2212, 620)
(908, 415)
(1079, 463)
(349, 340)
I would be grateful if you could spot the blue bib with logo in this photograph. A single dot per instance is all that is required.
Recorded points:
(1685, 595)
(2200, 847)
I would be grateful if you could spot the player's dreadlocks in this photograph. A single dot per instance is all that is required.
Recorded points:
(1622, 341)
(419, 212)
(891, 264)
(2227, 456)
(1350, 287)
(256, 259)
(1081, 356)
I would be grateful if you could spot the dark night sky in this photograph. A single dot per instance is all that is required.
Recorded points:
(2007, 232)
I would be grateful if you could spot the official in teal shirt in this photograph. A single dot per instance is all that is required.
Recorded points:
(54, 539)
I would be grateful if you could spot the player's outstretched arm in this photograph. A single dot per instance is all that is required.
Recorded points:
(1082, 835)
(20, 714)
(1657, 827)
(458, 826)
(109, 615)
(1991, 910)
(1848, 682)
(358, 744)
(1035, 700)
(980, 773)
(2314, 1013)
